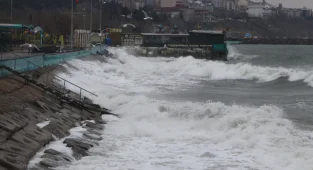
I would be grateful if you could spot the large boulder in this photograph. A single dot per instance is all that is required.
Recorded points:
(4, 135)
(39, 167)
(24, 139)
(18, 148)
(16, 118)
(93, 132)
(92, 136)
(57, 128)
(90, 115)
(78, 152)
(9, 125)
(33, 116)
(58, 158)
(76, 143)
(37, 134)
(49, 163)
(73, 114)
(3, 168)
(13, 161)
(94, 126)
(43, 106)
(53, 152)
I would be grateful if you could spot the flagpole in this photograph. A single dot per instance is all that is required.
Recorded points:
(11, 15)
(101, 16)
(90, 22)
(90, 16)
(72, 23)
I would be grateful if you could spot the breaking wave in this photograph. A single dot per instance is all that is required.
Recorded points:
(157, 134)
(186, 70)
(184, 135)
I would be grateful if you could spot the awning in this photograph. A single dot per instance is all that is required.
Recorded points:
(16, 26)
(165, 34)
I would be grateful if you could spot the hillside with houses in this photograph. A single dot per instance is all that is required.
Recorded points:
(258, 19)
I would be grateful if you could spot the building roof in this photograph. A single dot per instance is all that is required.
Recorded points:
(168, 9)
(207, 31)
(202, 12)
(243, 2)
(12, 26)
(165, 34)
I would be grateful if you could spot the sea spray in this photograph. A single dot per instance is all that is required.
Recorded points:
(165, 134)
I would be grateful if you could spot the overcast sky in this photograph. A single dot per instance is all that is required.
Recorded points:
(292, 3)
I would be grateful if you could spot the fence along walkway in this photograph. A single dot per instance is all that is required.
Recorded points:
(59, 94)
(87, 106)
(24, 64)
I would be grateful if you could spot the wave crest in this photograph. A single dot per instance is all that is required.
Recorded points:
(214, 70)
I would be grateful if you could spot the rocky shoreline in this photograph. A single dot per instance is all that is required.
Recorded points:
(31, 118)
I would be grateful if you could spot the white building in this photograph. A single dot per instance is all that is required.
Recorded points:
(293, 13)
(269, 12)
(188, 14)
(139, 4)
(256, 10)
(242, 5)
(81, 38)
(226, 4)
(169, 11)
(131, 4)
(307, 12)
(168, 3)
(151, 3)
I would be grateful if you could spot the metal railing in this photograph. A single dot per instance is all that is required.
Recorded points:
(1, 56)
(80, 88)
(29, 63)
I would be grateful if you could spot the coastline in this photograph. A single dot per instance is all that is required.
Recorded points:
(31, 118)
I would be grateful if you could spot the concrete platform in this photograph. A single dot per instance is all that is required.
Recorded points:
(17, 54)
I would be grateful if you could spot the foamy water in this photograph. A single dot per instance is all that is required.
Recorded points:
(158, 134)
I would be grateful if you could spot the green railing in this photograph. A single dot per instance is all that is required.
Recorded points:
(219, 47)
(21, 64)
(24, 64)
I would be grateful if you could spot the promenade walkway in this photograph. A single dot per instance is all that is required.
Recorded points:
(16, 54)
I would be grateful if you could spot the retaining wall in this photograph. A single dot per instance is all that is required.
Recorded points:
(33, 62)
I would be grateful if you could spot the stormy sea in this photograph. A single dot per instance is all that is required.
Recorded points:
(253, 112)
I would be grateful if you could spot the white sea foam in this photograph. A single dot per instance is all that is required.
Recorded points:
(58, 145)
(156, 134)
(234, 54)
(173, 72)
(43, 124)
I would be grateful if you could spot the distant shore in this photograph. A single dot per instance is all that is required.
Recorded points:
(276, 41)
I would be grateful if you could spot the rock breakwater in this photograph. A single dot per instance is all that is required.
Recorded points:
(31, 118)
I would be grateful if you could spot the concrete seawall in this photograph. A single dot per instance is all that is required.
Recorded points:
(23, 107)
(32, 62)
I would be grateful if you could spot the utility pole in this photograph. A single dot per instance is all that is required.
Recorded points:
(90, 16)
(84, 15)
(72, 24)
(101, 2)
(11, 16)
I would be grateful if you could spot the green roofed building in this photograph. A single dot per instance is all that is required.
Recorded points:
(13, 26)
(11, 34)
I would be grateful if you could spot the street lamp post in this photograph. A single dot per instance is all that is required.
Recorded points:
(11, 15)
(84, 15)
(100, 23)
(101, 15)
(90, 15)
(72, 23)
